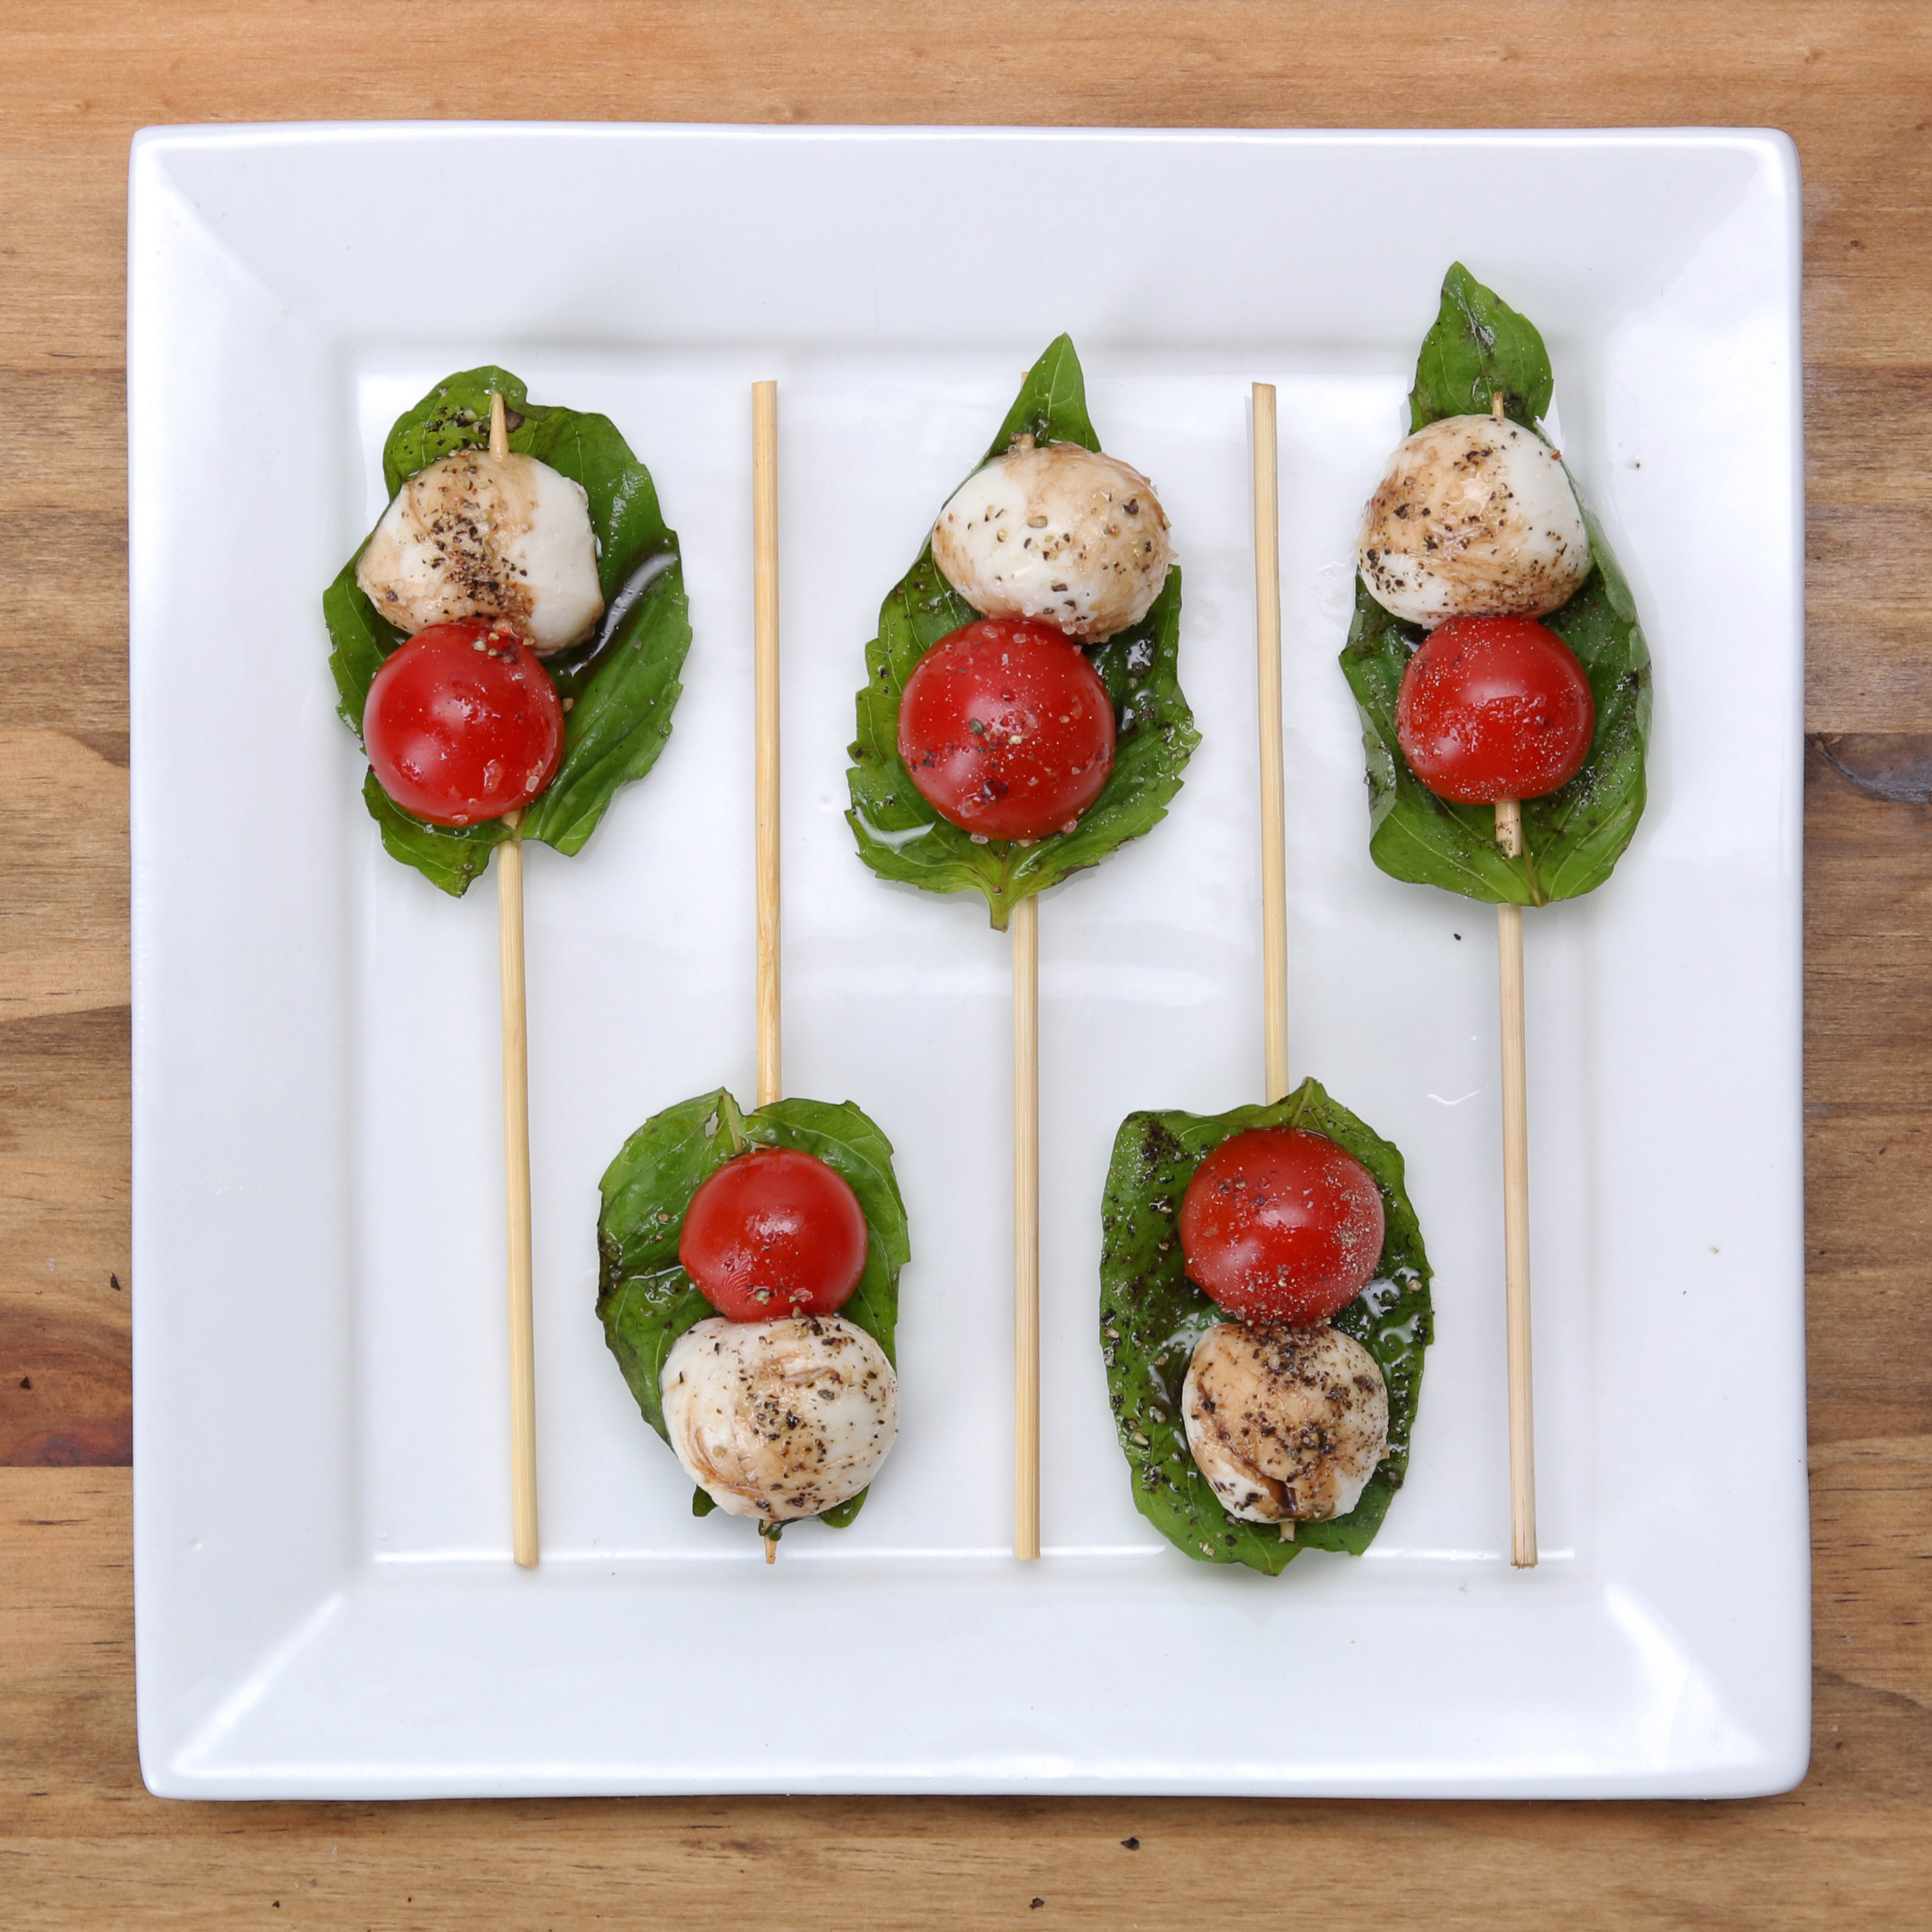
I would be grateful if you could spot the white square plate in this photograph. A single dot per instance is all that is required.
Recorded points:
(325, 1605)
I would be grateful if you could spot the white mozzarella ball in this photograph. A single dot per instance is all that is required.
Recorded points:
(1287, 1424)
(779, 1419)
(1473, 518)
(1059, 535)
(478, 535)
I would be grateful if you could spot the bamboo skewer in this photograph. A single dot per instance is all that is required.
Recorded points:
(1274, 787)
(1026, 1229)
(1515, 1206)
(516, 1156)
(765, 632)
(765, 712)
(516, 1198)
(1267, 654)
(1516, 1189)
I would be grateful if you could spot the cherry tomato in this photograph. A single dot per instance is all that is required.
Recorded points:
(1279, 1225)
(462, 725)
(1494, 707)
(1006, 729)
(774, 1232)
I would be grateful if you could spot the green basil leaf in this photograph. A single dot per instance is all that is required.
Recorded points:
(1151, 1315)
(1479, 345)
(1572, 837)
(359, 641)
(645, 1299)
(622, 681)
(451, 857)
(899, 835)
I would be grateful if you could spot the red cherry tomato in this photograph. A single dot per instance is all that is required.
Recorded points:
(1279, 1225)
(1007, 729)
(462, 725)
(774, 1232)
(1494, 707)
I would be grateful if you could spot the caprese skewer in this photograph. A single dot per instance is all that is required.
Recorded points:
(1257, 1273)
(778, 1404)
(1021, 718)
(1475, 545)
(493, 595)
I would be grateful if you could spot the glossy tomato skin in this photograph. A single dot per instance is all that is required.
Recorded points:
(774, 1232)
(1280, 1225)
(1494, 707)
(462, 725)
(1006, 729)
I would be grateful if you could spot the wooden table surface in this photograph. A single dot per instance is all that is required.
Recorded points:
(82, 1845)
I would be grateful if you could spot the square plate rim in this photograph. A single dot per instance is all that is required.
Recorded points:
(153, 144)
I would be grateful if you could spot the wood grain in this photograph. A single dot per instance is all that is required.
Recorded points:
(84, 1845)
(81, 1845)
(64, 1240)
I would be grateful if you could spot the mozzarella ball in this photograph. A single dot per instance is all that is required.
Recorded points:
(1473, 518)
(478, 535)
(1059, 535)
(1287, 1424)
(779, 1419)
